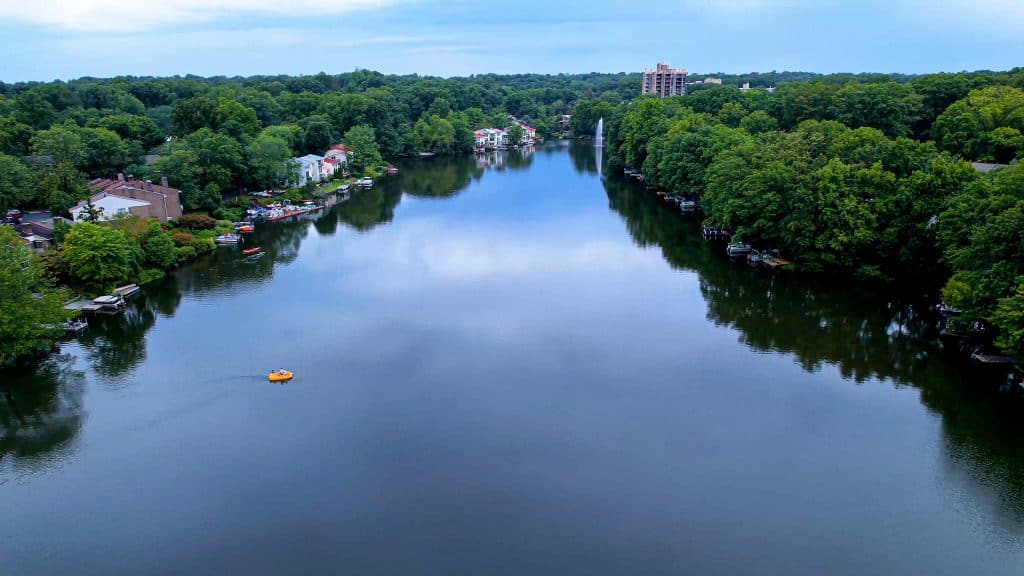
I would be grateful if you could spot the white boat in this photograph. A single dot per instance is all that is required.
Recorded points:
(365, 182)
(228, 239)
(737, 249)
(128, 290)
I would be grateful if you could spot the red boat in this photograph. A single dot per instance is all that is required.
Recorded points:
(249, 251)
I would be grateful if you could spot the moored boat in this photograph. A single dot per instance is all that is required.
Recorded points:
(228, 239)
(127, 290)
(365, 182)
(253, 250)
(244, 228)
(737, 249)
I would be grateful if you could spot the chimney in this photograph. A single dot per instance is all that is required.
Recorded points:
(120, 176)
(163, 181)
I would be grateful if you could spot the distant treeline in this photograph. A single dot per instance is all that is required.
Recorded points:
(232, 133)
(869, 178)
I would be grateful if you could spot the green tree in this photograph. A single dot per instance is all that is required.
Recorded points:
(515, 134)
(32, 313)
(158, 246)
(986, 124)
(193, 114)
(317, 137)
(759, 122)
(269, 160)
(15, 137)
(15, 183)
(62, 143)
(62, 188)
(97, 255)
(31, 109)
(363, 142)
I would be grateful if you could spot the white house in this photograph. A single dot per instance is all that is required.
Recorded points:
(330, 167)
(339, 152)
(310, 168)
(108, 206)
(529, 133)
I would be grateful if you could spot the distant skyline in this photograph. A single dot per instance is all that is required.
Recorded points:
(54, 39)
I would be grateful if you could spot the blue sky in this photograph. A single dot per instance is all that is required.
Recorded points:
(50, 39)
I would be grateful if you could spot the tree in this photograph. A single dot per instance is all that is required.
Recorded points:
(363, 142)
(890, 107)
(984, 126)
(181, 168)
(31, 109)
(91, 212)
(15, 183)
(106, 152)
(192, 114)
(97, 255)
(32, 313)
(759, 122)
(62, 188)
(62, 143)
(158, 246)
(317, 138)
(15, 137)
(269, 159)
(236, 120)
(515, 134)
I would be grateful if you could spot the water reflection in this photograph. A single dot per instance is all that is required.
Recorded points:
(864, 335)
(40, 415)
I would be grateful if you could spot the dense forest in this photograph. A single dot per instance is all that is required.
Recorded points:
(853, 176)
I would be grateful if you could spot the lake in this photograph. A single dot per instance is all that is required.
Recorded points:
(509, 364)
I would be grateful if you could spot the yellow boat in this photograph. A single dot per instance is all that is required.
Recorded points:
(280, 376)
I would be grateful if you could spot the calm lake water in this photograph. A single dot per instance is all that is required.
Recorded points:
(507, 365)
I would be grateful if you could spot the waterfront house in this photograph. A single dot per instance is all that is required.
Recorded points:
(310, 168)
(480, 139)
(339, 152)
(529, 133)
(331, 167)
(139, 197)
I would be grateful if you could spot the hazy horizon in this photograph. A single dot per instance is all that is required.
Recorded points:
(48, 40)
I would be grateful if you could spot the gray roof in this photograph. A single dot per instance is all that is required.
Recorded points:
(986, 167)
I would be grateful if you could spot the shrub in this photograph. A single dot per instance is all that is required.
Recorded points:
(147, 275)
(196, 222)
(185, 253)
(181, 239)
(203, 245)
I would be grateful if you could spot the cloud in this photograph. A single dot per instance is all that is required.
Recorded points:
(138, 15)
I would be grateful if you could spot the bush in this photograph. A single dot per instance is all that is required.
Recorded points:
(203, 245)
(196, 222)
(185, 253)
(147, 275)
(181, 239)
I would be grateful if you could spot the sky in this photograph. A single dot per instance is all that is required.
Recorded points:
(65, 39)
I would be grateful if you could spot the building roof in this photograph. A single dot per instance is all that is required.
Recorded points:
(108, 185)
(986, 167)
(309, 158)
(109, 200)
(340, 147)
